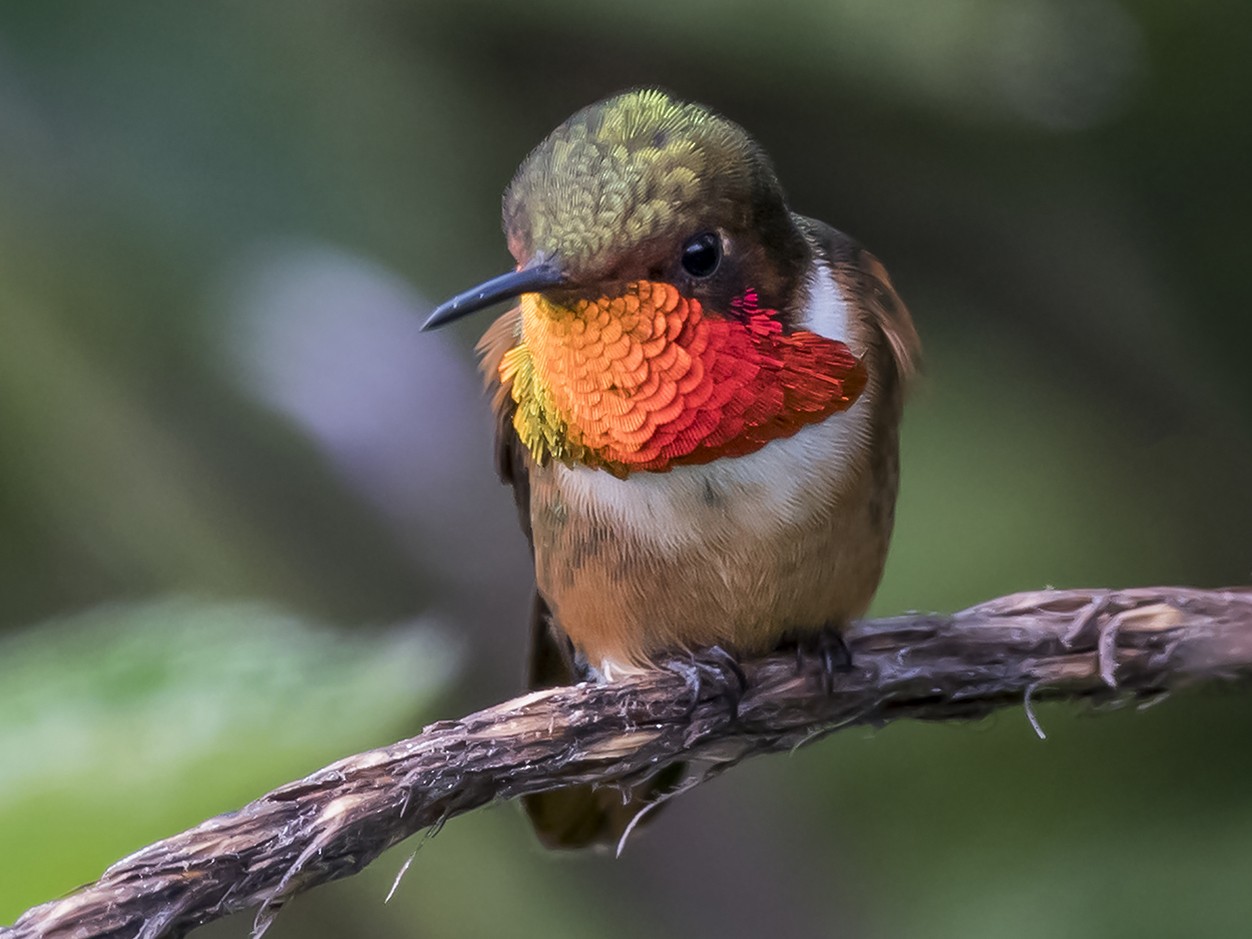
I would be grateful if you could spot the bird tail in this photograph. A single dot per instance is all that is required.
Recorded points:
(582, 816)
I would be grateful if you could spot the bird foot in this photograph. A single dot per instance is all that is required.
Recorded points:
(828, 647)
(715, 668)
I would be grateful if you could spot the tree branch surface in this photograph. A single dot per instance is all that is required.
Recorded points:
(1105, 645)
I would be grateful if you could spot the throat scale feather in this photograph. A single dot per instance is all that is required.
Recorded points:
(647, 379)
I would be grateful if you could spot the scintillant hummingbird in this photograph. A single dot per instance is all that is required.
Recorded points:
(697, 396)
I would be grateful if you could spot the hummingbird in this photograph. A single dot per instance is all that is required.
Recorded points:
(697, 400)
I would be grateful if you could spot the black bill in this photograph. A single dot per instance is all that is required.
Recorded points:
(505, 287)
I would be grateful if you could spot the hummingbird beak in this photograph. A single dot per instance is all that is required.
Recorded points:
(532, 278)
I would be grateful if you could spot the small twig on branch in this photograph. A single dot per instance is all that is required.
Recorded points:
(1070, 644)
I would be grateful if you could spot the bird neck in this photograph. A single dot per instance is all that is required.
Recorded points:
(647, 379)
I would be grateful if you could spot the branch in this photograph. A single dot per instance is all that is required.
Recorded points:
(1070, 644)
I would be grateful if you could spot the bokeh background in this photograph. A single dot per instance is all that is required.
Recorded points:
(247, 517)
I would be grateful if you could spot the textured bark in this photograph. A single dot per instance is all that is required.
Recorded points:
(1065, 644)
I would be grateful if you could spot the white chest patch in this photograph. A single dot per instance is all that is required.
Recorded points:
(826, 313)
(751, 496)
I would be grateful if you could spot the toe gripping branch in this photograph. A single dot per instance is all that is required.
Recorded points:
(829, 648)
(710, 674)
(715, 672)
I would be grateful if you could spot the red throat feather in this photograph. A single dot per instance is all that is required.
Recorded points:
(645, 380)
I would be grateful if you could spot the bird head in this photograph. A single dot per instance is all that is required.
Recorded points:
(660, 274)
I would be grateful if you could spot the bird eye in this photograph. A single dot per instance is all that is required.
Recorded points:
(702, 254)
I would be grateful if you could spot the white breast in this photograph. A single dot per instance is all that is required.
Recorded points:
(826, 312)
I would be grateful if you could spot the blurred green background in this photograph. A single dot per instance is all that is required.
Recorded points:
(248, 522)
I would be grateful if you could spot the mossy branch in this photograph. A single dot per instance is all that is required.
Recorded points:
(1114, 645)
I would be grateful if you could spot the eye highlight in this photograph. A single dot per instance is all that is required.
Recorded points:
(702, 254)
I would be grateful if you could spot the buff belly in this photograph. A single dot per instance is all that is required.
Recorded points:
(742, 552)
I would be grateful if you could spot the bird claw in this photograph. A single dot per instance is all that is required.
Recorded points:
(715, 667)
(828, 646)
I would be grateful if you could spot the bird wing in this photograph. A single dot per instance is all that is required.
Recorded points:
(551, 660)
(862, 276)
